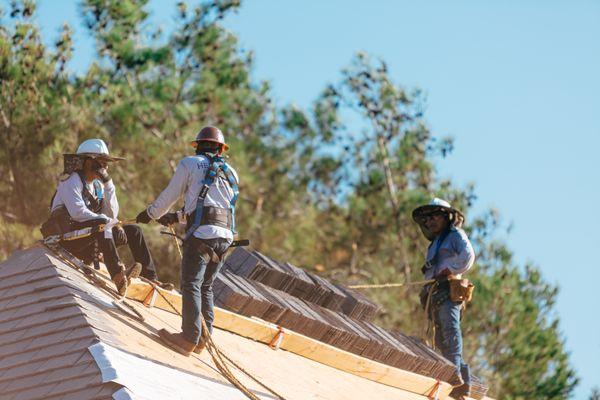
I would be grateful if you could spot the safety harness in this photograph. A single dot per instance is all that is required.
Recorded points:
(60, 221)
(205, 215)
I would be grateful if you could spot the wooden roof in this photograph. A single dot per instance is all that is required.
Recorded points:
(50, 314)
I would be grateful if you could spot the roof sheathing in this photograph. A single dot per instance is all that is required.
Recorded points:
(50, 315)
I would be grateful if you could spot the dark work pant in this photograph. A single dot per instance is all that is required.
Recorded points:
(139, 250)
(448, 335)
(84, 248)
(198, 273)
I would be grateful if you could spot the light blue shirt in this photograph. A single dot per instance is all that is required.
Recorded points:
(186, 183)
(455, 252)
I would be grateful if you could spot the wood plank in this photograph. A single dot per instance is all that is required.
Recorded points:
(297, 343)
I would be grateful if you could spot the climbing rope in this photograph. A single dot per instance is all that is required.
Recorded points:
(390, 285)
(176, 241)
(219, 358)
(69, 259)
(429, 325)
(428, 331)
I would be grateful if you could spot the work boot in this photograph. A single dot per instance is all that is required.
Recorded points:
(134, 271)
(456, 381)
(461, 392)
(177, 342)
(200, 346)
(163, 285)
(123, 278)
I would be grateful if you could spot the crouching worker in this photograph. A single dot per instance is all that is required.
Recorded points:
(209, 187)
(449, 255)
(86, 197)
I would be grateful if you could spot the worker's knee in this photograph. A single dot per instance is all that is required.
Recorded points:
(449, 313)
(191, 285)
(132, 231)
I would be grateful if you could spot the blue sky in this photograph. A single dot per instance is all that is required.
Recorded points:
(516, 83)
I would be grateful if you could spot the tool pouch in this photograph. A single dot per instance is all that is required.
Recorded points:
(59, 223)
(461, 290)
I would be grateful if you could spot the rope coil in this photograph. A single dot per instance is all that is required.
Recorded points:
(219, 358)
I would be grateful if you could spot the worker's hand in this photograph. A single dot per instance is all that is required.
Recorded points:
(143, 217)
(101, 170)
(101, 220)
(168, 219)
(103, 175)
(119, 235)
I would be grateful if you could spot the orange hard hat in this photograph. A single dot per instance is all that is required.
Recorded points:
(210, 134)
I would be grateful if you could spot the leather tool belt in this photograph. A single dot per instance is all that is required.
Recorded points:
(461, 290)
(60, 222)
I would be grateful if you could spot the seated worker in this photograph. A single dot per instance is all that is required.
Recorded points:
(449, 255)
(87, 197)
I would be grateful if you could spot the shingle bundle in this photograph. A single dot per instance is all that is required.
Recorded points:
(299, 283)
(478, 388)
(255, 285)
(254, 299)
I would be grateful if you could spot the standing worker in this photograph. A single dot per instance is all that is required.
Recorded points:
(209, 187)
(86, 196)
(449, 255)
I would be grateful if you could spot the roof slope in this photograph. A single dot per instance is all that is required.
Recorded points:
(44, 333)
(50, 315)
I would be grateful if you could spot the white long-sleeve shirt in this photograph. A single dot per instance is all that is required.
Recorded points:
(69, 193)
(186, 183)
(455, 253)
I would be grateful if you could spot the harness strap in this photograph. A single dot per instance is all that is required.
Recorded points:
(91, 202)
(234, 187)
(438, 244)
(216, 164)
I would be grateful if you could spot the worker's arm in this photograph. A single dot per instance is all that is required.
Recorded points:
(171, 194)
(464, 256)
(111, 204)
(70, 194)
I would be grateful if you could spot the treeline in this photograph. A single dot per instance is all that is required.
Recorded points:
(326, 194)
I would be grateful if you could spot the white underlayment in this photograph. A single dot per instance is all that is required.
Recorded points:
(145, 380)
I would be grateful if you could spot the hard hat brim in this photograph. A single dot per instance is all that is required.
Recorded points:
(96, 155)
(418, 212)
(194, 143)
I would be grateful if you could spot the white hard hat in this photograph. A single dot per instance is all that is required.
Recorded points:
(434, 205)
(96, 148)
(93, 146)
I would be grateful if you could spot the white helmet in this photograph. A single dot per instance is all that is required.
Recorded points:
(96, 148)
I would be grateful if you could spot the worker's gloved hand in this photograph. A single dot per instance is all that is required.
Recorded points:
(103, 175)
(101, 171)
(143, 217)
(119, 235)
(168, 219)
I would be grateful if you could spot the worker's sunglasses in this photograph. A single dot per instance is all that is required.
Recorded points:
(426, 217)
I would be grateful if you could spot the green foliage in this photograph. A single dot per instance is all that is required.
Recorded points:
(330, 188)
